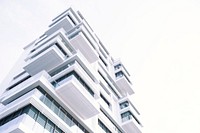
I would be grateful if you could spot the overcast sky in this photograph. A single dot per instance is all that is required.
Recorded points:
(158, 41)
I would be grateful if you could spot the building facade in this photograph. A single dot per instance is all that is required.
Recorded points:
(66, 82)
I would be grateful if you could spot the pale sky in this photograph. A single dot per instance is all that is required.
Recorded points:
(158, 41)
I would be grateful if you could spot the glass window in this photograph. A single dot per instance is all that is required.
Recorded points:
(16, 114)
(62, 115)
(61, 112)
(118, 66)
(68, 121)
(54, 108)
(124, 104)
(105, 100)
(8, 118)
(62, 79)
(57, 130)
(36, 115)
(41, 119)
(42, 98)
(119, 74)
(33, 113)
(103, 127)
(127, 116)
(50, 126)
(47, 102)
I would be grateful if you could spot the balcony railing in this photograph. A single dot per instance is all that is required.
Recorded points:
(130, 123)
(46, 60)
(128, 116)
(81, 40)
(64, 78)
(123, 82)
(75, 88)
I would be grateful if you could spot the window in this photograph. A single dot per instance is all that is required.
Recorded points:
(49, 126)
(103, 53)
(41, 119)
(20, 74)
(62, 79)
(109, 85)
(61, 112)
(51, 104)
(128, 116)
(118, 66)
(16, 114)
(54, 72)
(62, 115)
(68, 120)
(71, 19)
(47, 47)
(105, 100)
(103, 127)
(32, 112)
(116, 128)
(57, 130)
(119, 74)
(48, 102)
(19, 82)
(36, 115)
(105, 64)
(54, 107)
(124, 104)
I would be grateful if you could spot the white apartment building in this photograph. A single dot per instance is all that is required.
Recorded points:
(66, 82)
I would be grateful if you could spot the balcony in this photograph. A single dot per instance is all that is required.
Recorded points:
(82, 41)
(64, 22)
(15, 126)
(45, 60)
(77, 97)
(130, 116)
(78, 60)
(123, 83)
(76, 88)
(59, 37)
(130, 125)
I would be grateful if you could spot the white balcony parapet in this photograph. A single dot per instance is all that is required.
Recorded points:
(130, 116)
(73, 93)
(130, 125)
(16, 126)
(32, 99)
(68, 13)
(46, 41)
(85, 44)
(45, 61)
(40, 79)
(122, 78)
(123, 85)
(74, 89)
(81, 62)
(66, 23)
(127, 103)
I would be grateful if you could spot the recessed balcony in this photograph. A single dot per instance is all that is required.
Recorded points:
(130, 123)
(45, 60)
(75, 93)
(64, 22)
(126, 104)
(130, 126)
(129, 115)
(14, 126)
(80, 42)
(123, 83)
